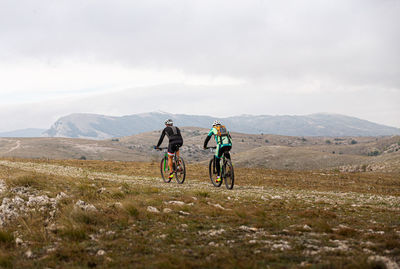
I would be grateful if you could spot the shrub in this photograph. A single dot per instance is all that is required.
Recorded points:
(202, 194)
(266, 141)
(328, 142)
(353, 142)
(374, 153)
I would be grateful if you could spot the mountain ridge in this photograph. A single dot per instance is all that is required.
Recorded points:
(96, 126)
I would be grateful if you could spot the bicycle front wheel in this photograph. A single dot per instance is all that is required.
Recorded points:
(228, 174)
(165, 170)
(212, 175)
(180, 172)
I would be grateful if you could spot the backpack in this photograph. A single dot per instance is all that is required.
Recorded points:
(223, 136)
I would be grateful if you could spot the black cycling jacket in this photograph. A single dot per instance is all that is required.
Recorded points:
(173, 133)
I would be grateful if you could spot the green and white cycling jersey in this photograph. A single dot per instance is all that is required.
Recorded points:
(223, 141)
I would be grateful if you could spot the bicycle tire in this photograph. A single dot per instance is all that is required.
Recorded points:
(212, 175)
(228, 174)
(180, 172)
(165, 170)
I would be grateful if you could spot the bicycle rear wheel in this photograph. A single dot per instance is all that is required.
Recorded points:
(180, 171)
(212, 175)
(228, 174)
(165, 170)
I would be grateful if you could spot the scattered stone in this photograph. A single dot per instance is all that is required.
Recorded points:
(307, 228)
(51, 250)
(85, 206)
(175, 203)
(3, 186)
(212, 232)
(18, 241)
(183, 213)
(162, 236)
(281, 246)
(29, 254)
(184, 225)
(167, 210)
(101, 252)
(218, 206)
(152, 209)
(118, 205)
(248, 229)
(61, 195)
(101, 190)
(385, 260)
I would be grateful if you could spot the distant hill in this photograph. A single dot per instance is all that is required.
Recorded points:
(95, 126)
(249, 150)
(30, 132)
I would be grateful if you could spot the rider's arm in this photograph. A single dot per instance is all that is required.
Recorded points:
(208, 138)
(161, 138)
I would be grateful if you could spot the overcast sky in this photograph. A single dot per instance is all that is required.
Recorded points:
(210, 57)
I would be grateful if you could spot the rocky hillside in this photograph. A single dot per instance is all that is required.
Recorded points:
(94, 126)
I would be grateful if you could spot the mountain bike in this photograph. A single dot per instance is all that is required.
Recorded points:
(227, 173)
(178, 167)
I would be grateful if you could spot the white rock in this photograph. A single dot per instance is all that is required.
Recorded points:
(167, 210)
(61, 195)
(183, 213)
(307, 228)
(162, 236)
(152, 209)
(118, 205)
(3, 186)
(388, 262)
(29, 254)
(18, 241)
(248, 229)
(101, 252)
(176, 203)
(85, 206)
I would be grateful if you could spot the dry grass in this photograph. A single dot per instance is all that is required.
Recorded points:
(272, 218)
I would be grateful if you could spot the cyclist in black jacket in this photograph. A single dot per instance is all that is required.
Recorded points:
(175, 142)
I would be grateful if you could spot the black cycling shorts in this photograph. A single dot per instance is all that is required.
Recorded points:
(174, 147)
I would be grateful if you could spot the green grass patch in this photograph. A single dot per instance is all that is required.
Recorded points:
(6, 238)
(74, 233)
(131, 210)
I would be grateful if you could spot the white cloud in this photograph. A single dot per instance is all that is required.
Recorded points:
(267, 57)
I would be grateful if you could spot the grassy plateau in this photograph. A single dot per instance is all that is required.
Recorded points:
(105, 214)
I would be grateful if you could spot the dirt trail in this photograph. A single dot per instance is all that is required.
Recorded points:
(17, 146)
(239, 192)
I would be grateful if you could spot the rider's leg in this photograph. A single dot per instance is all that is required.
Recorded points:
(170, 162)
(218, 165)
(217, 159)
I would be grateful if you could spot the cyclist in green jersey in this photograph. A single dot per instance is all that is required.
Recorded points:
(224, 144)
